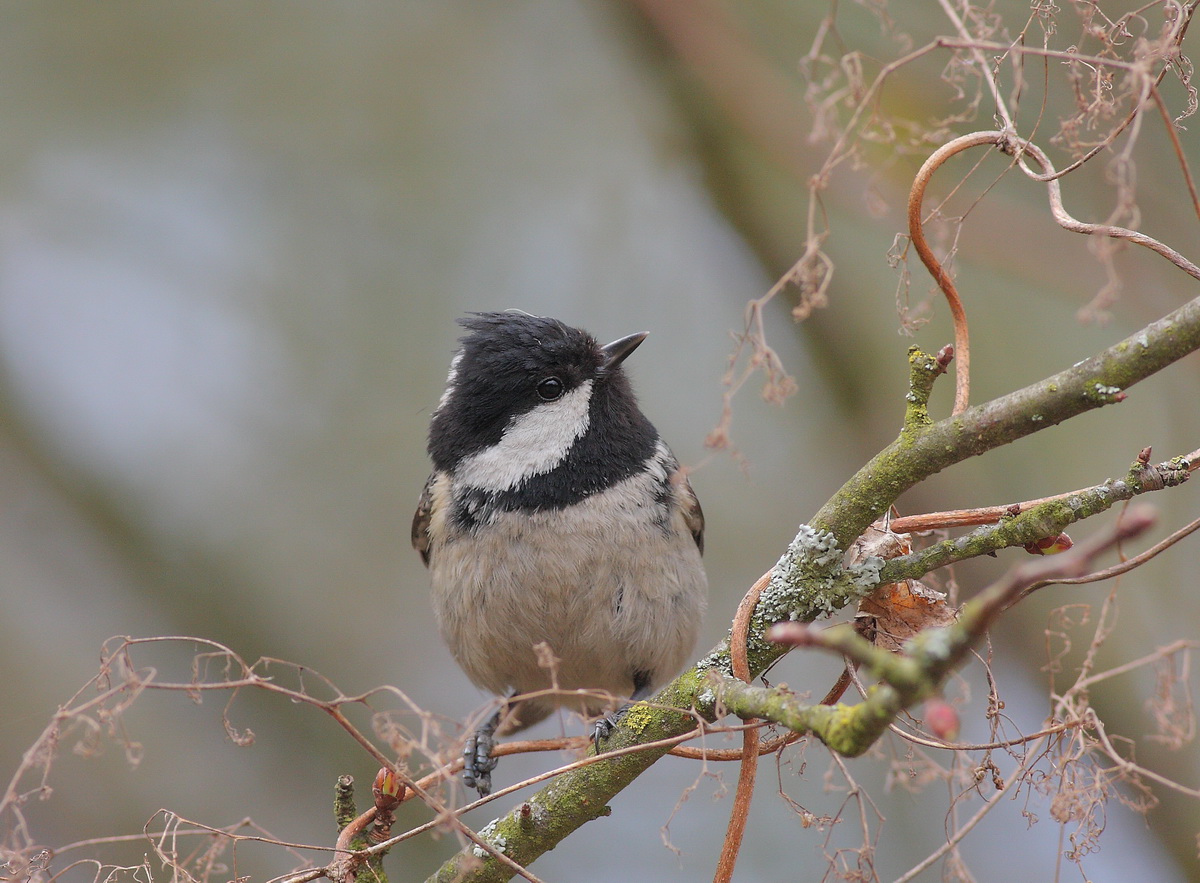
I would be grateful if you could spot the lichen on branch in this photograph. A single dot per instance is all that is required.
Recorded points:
(920, 669)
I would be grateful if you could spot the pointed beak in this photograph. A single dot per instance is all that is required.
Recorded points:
(613, 354)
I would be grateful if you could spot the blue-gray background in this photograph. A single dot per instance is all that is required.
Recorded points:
(233, 241)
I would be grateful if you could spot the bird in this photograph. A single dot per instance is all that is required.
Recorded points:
(556, 518)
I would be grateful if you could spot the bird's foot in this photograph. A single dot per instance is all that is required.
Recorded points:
(603, 728)
(478, 762)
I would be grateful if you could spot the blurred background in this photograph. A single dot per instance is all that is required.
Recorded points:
(234, 239)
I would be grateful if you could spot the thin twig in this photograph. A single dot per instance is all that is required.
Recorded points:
(740, 665)
(991, 803)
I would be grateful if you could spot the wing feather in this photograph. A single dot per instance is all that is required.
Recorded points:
(420, 522)
(689, 504)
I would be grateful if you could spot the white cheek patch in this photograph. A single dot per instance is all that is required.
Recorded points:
(451, 379)
(533, 444)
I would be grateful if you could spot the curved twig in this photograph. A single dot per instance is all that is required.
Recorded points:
(740, 665)
(916, 233)
(1018, 147)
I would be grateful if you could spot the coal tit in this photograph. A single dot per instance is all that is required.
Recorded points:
(555, 515)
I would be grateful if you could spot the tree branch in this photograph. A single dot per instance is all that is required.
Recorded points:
(927, 659)
(1043, 520)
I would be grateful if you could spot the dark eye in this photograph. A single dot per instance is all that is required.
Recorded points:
(550, 389)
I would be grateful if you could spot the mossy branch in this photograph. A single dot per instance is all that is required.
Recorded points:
(581, 795)
(924, 450)
(918, 672)
(353, 862)
(1043, 520)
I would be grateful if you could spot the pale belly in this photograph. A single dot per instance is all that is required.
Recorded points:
(614, 599)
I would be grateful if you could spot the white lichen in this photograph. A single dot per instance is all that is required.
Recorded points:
(865, 574)
(488, 833)
(810, 580)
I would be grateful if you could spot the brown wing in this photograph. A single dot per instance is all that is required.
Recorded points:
(420, 522)
(689, 503)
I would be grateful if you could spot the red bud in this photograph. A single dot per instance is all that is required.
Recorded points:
(388, 789)
(942, 719)
(1049, 545)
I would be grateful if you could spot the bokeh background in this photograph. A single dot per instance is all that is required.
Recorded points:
(233, 242)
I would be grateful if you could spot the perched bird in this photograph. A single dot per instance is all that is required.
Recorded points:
(555, 515)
